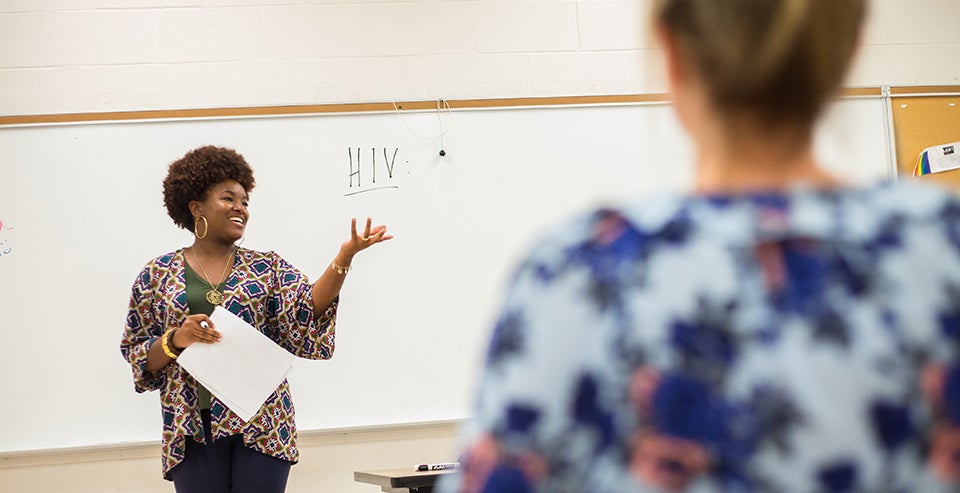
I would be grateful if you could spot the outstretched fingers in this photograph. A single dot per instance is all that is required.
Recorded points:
(371, 234)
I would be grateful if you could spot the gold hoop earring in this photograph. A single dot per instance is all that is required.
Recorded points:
(196, 227)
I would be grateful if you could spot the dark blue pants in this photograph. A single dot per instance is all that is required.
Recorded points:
(226, 466)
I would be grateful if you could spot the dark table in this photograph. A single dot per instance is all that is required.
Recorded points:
(400, 480)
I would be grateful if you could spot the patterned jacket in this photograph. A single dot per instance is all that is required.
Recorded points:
(804, 341)
(262, 289)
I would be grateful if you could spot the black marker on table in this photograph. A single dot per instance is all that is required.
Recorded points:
(439, 466)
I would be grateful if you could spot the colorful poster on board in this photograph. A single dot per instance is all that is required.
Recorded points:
(938, 158)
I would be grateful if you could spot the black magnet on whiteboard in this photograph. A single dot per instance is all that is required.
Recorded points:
(443, 153)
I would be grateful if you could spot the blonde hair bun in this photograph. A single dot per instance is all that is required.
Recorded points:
(778, 59)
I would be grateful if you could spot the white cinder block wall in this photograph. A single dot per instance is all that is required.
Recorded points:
(78, 56)
(68, 56)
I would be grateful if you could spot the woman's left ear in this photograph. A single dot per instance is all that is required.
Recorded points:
(195, 209)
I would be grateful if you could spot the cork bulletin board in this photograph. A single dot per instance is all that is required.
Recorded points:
(925, 117)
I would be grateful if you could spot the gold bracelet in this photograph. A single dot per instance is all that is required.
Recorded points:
(339, 269)
(165, 344)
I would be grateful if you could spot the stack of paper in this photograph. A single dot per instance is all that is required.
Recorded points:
(243, 369)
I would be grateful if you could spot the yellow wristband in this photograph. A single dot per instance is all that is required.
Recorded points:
(339, 269)
(165, 344)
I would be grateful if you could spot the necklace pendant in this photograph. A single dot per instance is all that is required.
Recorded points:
(214, 297)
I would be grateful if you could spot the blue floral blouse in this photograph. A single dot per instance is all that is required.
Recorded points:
(804, 341)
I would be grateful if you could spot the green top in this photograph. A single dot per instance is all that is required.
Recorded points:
(197, 302)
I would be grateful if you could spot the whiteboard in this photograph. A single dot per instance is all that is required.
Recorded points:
(82, 212)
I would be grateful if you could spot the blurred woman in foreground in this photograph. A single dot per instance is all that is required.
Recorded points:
(773, 330)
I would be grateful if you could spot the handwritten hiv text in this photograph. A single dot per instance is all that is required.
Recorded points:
(364, 169)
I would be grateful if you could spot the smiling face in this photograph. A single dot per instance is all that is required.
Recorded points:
(225, 209)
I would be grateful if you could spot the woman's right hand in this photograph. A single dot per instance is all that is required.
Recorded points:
(195, 328)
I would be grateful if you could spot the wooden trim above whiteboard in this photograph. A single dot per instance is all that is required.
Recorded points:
(252, 111)
(853, 92)
(327, 108)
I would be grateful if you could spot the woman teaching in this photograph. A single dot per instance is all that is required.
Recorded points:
(773, 329)
(205, 446)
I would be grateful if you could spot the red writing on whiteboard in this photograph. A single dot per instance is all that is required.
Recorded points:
(5, 249)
